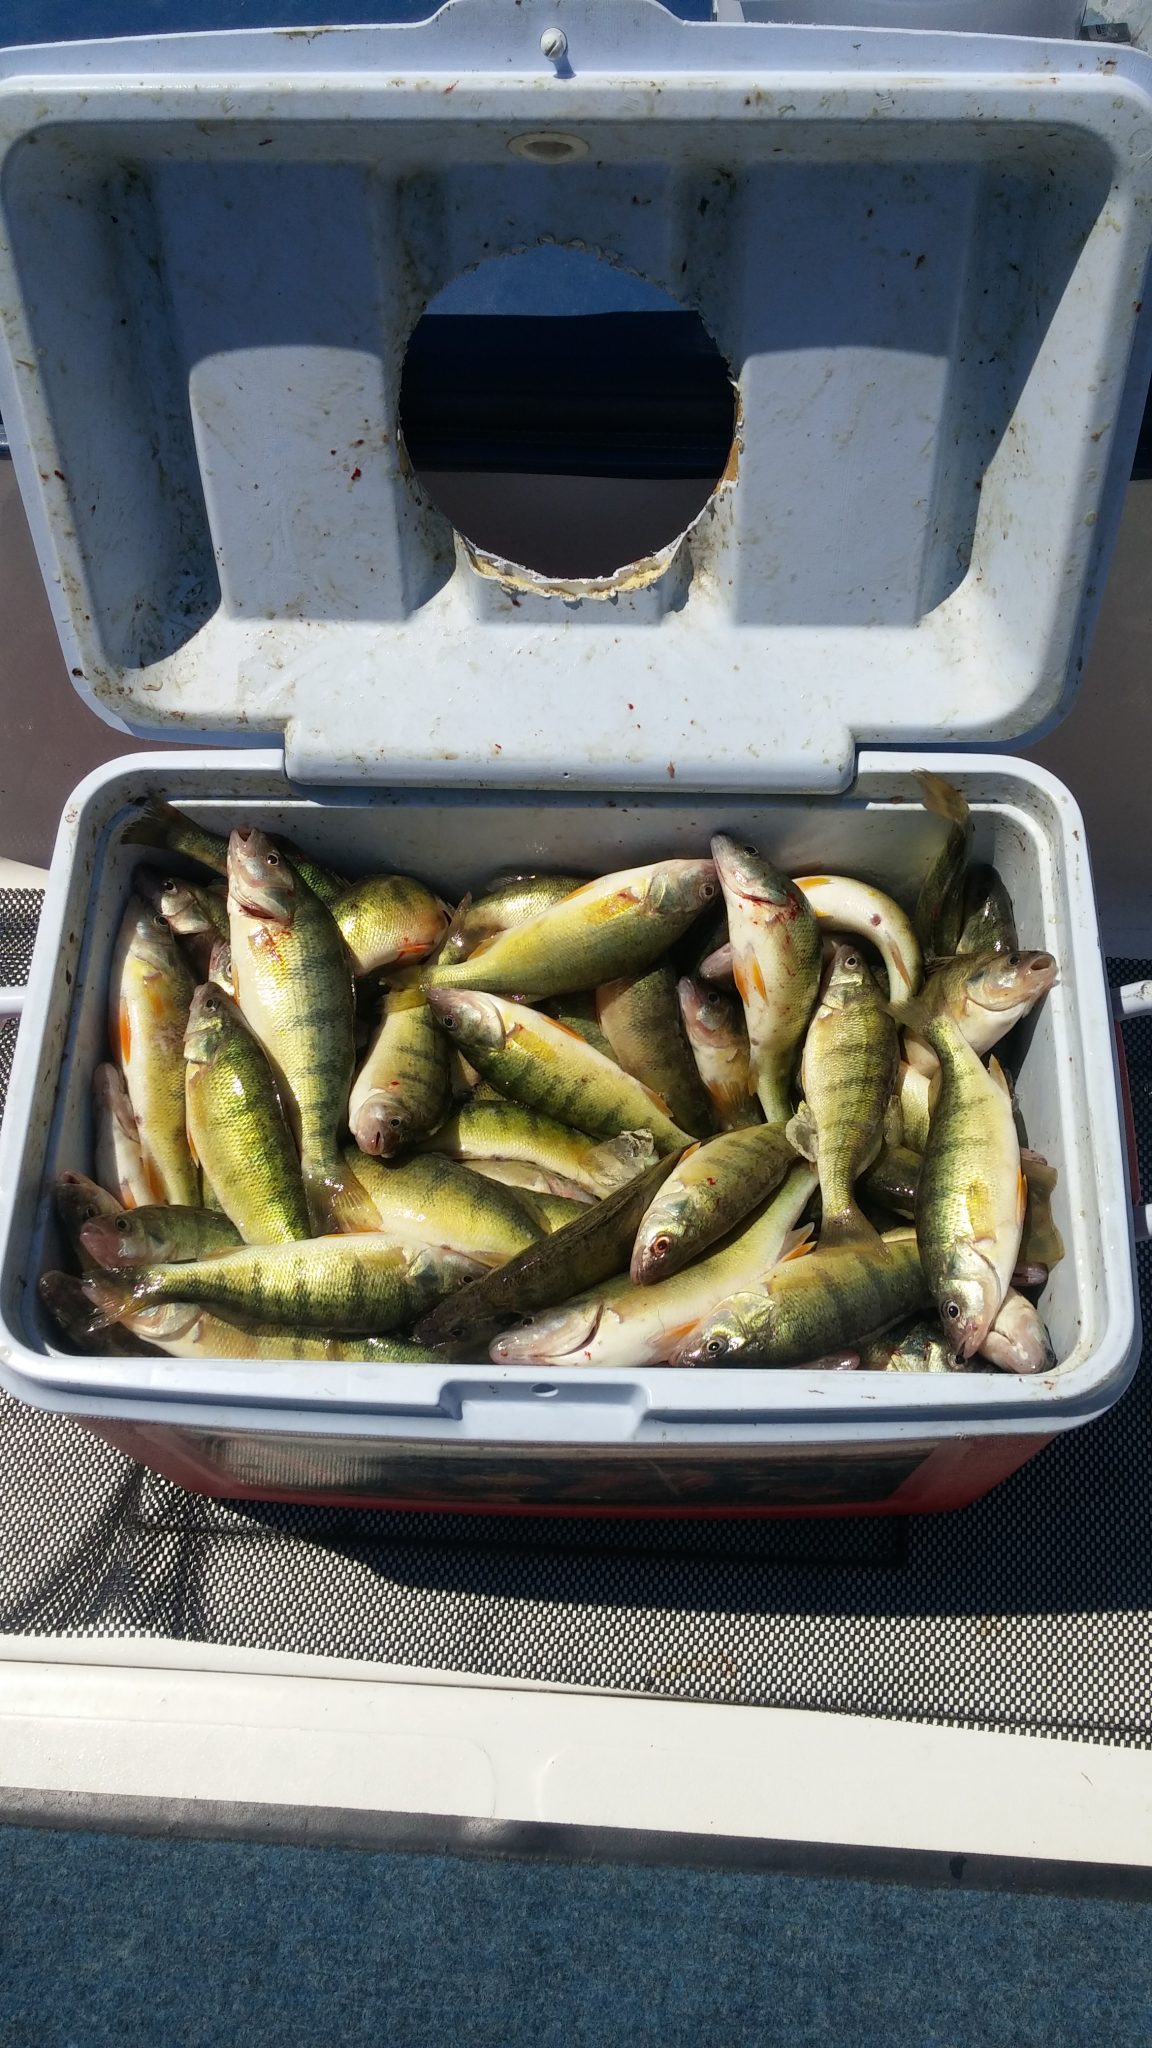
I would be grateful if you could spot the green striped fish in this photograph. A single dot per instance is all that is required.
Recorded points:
(294, 985)
(403, 1088)
(356, 1284)
(640, 1018)
(236, 1126)
(847, 1071)
(536, 1061)
(815, 1309)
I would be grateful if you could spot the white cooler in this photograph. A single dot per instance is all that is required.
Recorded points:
(923, 258)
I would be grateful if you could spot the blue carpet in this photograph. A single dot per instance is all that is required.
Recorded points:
(112, 1940)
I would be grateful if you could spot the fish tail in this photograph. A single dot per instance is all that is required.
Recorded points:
(336, 1201)
(152, 827)
(111, 1301)
(942, 797)
(848, 1226)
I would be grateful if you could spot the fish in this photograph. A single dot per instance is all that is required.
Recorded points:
(640, 1017)
(971, 1192)
(531, 1180)
(938, 919)
(591, 1247)
(198, 914)
(70, 1309)
(986, 994)
(1041, 1244)
(619, 1324)
(814, 1307)
(553, 1212)
(842, 904)
(717, 966)
(357, 1285)
(77, 1201)
(237, 1126)
(847, 1072)
(429, 1199)
(1017, 1340)
(389, 919)
(161, 825)
(712, 1189)
(776, 957)
(989, 920)
(577, 1013)
(294, 986)
(892, 1179)
(919, 1348)
(156, 1235)
(403, 1087)
(913, 1090)
(149, 995)
(618, 925)
(534, 1061)
(220, 967)
(484, 1131)
(718, 1038)
(181, 1330)
(506, 901)
(119, 1154)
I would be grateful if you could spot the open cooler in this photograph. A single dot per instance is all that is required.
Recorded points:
(922, 259)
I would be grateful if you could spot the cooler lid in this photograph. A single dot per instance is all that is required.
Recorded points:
(920, 256)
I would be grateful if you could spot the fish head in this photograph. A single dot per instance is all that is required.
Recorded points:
(847, 975)
(182, 907)
(209, 1021)
(745, 873)
(657, 1241)
(80, 1201)
(472, 1021)
(683, 887)
(151, 944)
(382, 1125)
(1012, 981)
(1018, 1340)
(261, 881)
(111, 1096)
(724, 1334)
(220, 967)
(709, 1012)
(552, 1334)
(968, 1299)
(134, 1238)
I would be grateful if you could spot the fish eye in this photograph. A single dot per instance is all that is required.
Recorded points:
(273, 858)
(396, 1123)
(753, 850)
(171, 883)
(716, 1347)
(952, 1311)
(123, 1226)
(707, 891)
(660, 1245)
(1013, 959)
(851, 960)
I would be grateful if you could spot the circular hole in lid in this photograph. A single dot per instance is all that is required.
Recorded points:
(544, 1390)
(548, 147)
(569, 418)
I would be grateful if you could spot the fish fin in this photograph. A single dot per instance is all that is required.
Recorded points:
(151, 828)
(911, 1014)
(337, 1204)
(797, 1244)
(801, 1133)
(1021, 1199)
(848, 1227)
(942, 797)
(111, 1301)
(982, 1213)
(617, 1160)
(999, 1076)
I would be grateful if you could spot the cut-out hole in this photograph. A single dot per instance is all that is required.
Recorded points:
(548, 148)
(544, 1390)
(566, 416)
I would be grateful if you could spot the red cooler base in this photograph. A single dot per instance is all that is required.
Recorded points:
(878, 1478)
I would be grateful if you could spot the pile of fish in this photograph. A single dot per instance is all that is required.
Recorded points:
(698, 1112)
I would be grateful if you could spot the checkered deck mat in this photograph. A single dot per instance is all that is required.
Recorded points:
(1030, 1611)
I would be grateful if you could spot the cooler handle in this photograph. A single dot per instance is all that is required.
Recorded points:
(1133, 999)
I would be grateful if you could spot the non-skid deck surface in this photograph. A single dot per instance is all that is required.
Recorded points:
(1030, 1611)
